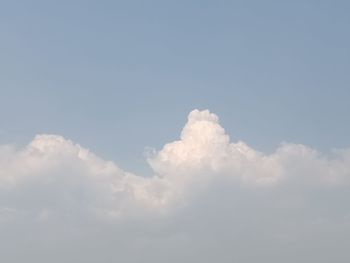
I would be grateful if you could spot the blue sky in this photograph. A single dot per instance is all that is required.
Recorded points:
(122, 75)
(117, 77)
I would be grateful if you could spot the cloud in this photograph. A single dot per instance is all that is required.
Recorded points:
(209, 200)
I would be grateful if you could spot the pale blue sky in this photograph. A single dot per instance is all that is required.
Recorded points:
(117, 76)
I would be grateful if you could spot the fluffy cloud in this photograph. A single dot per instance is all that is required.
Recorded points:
(209, 200)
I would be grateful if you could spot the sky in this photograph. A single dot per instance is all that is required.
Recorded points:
(184, 131)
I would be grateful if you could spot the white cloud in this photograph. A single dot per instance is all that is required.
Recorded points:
(209, 200)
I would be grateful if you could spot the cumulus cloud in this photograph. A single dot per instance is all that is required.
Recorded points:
(208, 200)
